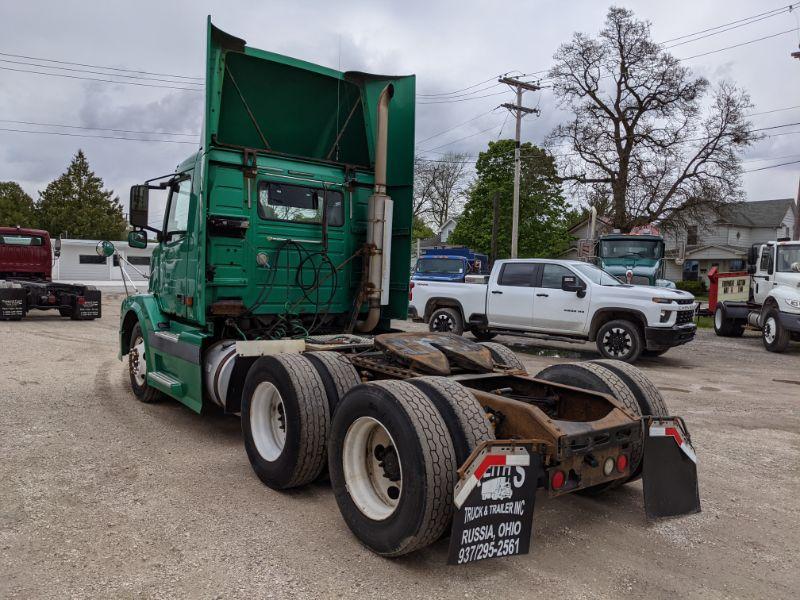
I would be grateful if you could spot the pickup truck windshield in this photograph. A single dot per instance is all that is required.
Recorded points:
(596, 274)
(788, 256)
(20, 240)
(630, 248)
(440, 265)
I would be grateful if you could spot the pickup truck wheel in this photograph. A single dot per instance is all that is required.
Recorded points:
(392, 467)
(774, 336)
(725, 327)
(599, 378)
(446, 320)
(337, 373)
(137, 368)
(285, 420)
(483, 335)
(464, 416)
(620, 340)
(504, 356)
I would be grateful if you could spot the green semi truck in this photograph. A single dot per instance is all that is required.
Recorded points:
(282, 258)
(634, 258)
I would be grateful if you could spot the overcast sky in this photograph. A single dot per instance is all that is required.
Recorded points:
(449, 45)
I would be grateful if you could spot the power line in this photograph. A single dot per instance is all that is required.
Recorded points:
(65, 62)
(462, 138)
(97, 128)
(469, 87)
(462, 99)
(483, 114)
(769, 13)
(793, 162)
(106, 137)
(136, 77)
(761, 39)
(150, 85)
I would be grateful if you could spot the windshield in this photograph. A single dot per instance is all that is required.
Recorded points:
(440, 265)
(597, 275)
(649, 249)
(788, 259)
(13, 239)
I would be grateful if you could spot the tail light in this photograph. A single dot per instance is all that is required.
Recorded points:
(558, 480)
(81, 300)
(411, 291)
(622, 463)
(51, 299)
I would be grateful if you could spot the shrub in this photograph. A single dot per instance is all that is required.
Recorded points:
(697, 288)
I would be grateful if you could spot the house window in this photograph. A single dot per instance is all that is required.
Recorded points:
(736, 265)
(691, 235)
(139, 260)
(91, 259)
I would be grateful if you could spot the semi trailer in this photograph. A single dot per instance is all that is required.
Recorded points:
(26, 279)
(282, 259)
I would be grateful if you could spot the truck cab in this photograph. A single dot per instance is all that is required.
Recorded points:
(635, 259)
(449, 264)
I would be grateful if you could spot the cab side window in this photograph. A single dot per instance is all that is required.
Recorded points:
(552, 274)
(177, 222)
(766, 259)
(517, 274)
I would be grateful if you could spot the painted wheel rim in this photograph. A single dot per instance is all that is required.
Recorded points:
(137, 363)
(769, 330)
(268, 421)
(617, 342)
(444, 323)
(373, 473)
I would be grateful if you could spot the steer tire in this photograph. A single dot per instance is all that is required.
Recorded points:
(600, 378)
(337, 373)
(725, 327)
(464, 416)
(305, 417)
(446, 320)
(421, 445)
(143, 392)
(629, 333)
(504, 356)
(780, 339)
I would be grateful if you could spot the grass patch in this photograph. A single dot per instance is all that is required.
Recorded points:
(704, 322)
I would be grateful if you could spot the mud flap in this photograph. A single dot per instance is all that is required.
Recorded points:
(87, 306)
(494, 503)
(13, 303)
(669, 476)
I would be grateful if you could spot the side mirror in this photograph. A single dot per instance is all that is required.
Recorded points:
(571, 283)
(57, 247)
(137, 239)
(139, 202)
(105, 249)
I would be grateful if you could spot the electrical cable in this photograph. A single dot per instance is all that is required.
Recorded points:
(150, 85)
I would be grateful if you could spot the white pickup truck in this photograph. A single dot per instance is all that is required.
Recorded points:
(559, 298)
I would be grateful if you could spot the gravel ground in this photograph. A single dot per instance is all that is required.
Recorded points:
(101, 496)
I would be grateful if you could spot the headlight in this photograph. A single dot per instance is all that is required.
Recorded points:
(658, 300)
(793, 302)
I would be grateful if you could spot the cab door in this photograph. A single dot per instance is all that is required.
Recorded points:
(174, 248)
(556, 309)
(762, 283)
(510, 298)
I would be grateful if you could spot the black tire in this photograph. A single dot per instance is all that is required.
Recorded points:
(725, 327)
(483, 335)
(649, 399)
(305, 419)
(620, 339)
(599, 378)
(653, 353)
(337, 373)
(65, 311)
(143, 392)
(464, 416)
(774, 336)
(504, 356)
(446, 320)
(424, 507)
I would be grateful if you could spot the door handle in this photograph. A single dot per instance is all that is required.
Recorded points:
(496, 292)
(545, 295)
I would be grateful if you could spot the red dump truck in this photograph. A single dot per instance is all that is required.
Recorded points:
(26, 270)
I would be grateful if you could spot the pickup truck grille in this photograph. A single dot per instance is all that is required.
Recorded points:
(684, 301)
(684, 316)
(639, 280)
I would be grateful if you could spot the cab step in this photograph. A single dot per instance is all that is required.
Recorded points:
(166, 383)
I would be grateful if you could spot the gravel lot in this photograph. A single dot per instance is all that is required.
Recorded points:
(101, 496)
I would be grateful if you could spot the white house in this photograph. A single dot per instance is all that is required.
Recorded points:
(447, 228)
(80, 262)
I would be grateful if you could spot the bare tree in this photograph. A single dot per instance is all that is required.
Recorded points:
(439, 187)
(641, 136)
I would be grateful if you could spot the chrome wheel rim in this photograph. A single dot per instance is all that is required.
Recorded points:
(617, 342)
(769, 330)
(443, 323)
(137, 362)
(373, 472)
(718, 318)
(268, 421)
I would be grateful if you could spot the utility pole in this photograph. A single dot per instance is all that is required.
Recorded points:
(496, 225)
(519, 111)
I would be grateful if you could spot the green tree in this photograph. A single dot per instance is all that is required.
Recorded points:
(542, 209)
(16, 207)
(420, 229)
(76, 204)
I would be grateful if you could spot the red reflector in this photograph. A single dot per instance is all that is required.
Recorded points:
(51, 299)
(622, 462)
(411, 291)
(81, 300)
(557, 482)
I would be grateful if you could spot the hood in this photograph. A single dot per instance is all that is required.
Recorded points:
(268, 102)
(639, 266)
(651, 291)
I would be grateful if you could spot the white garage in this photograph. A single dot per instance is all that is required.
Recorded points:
(80, 262)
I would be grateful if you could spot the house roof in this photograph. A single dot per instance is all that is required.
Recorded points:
(585, 221)
(763, 213)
